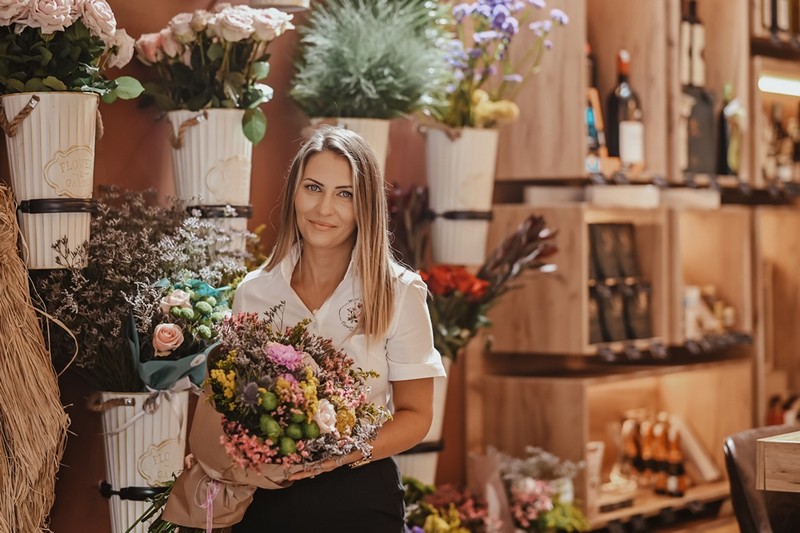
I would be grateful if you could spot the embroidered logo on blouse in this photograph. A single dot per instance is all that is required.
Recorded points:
(350, 312)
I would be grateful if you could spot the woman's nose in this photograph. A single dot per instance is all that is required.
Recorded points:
(326, 204)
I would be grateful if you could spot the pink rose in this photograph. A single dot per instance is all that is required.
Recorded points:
(99, 19)
(233, 24)
(122, 49)
(270, 23)
(166, 338)
(12, 10)
(50, 15)
(169, 45)
(176, 298)
(181, 26)
(325, 417)
(148, 48)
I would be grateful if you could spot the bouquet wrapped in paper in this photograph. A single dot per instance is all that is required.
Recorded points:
(276, 401)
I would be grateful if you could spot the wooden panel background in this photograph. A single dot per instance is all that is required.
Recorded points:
(548, 140)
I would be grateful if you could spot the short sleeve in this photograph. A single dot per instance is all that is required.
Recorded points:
(409, 347)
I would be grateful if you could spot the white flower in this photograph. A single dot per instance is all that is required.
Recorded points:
(148, 48)
(325, 417)
(270, 23)
(200, 20)
(50, 15)
(170, 46)
(122, 47)
(181, 26)
(233, 24)
(12, 10)
(176, 298)
(99, 19)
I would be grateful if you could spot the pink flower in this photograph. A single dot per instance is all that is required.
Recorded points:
(122, 49)
(166, 338)
(170, 46)
(285, 356)
(50, 15)
(176, 298)
(181, 26)
(233, 24)
(99, 19)
(148, 48)
(12, 10)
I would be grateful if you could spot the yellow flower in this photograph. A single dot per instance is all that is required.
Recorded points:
(227, 380)
(489, 114)
(309, 388)
(345, 420)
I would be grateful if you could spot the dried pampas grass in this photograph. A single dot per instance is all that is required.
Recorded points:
(33, 423)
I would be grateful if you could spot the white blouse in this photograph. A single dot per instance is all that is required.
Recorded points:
(407, 351)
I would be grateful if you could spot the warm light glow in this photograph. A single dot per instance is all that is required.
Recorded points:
(776, 85)
(283, 5)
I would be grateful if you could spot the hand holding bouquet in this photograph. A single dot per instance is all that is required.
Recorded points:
(283, 399)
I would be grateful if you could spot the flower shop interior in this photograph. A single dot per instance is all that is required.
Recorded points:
(612, 265)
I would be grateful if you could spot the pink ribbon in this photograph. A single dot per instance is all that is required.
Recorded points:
(212, 491)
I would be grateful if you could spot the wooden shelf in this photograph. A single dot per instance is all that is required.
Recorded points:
(647, 503)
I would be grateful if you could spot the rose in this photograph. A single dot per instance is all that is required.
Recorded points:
(270, 23)
(99, 19)
(176, 298)
(11, 10)
(123, 49)
(148, 48)
(233, 24)
(170, 45)
(166, 338)
(199, 21)
(50, 15)
(325, 417)
(181, 26)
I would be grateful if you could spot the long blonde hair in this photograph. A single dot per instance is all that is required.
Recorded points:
(372, 252)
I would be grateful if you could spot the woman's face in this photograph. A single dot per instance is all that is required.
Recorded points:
(324, 203)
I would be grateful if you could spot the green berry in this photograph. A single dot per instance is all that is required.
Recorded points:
(310, 430)
(210, 300)
(269, 400)
(297, 417)
(295, 431)
(217, 316)
(204, 308)
(175, 311)
(186, 313)
(270, 427)
(205, 332)
(287, 446)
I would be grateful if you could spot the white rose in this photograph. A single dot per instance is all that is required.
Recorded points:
(170, 46)
(12, 10)
(176, 298)
(233, 24)
(200, 20)
(50, 15)
(325, 417)
(122, 49)
(181, 26)
(221, 6)
(270, 23)
(99, 19)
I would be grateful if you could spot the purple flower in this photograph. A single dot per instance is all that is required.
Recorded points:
(250, 394)
(462, 10)
(513, 78)
(559, 16)
(548, 44)
(484, 36)
(538, 3)
(285, 356)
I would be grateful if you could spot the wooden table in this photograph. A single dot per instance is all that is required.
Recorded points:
(778, 462)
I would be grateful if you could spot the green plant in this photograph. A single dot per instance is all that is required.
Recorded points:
(214, 60)
(64, 46)
(370, 59)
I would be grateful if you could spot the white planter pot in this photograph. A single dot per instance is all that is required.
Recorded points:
(422, 466)
(213, 164)
(460, 179)
(142, 448)
(375, 132)
(51, 156)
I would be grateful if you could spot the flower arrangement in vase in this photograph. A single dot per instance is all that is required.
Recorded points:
(214, 60)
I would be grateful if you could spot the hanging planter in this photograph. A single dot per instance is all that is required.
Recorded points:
(375, 131)
(50, 139)
(420, 462)
(460, 168)
(145, 443)
(212, 164)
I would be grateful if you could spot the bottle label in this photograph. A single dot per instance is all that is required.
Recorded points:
(672, 484)
(631, 142)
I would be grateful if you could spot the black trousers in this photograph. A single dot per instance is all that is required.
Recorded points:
(368, 499)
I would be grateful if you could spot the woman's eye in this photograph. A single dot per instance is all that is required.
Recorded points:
(346, 194)
(313, 187)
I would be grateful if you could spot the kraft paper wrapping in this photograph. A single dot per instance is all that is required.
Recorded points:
(195, 489)
(484, 479)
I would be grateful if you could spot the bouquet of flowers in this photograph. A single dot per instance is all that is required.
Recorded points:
(444, 509)
(63, 45)
(138, 255)
(280, 399)
(486, 76)
(214, 60)
(460, 300)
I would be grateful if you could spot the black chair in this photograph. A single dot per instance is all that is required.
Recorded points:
(758, 511)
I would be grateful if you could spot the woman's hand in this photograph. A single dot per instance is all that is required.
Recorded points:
(320, 467)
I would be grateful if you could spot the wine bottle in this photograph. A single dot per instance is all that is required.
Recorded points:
(624, 129)
(676, 471)
(724, 134)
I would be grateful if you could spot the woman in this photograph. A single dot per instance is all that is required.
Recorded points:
(332, 263)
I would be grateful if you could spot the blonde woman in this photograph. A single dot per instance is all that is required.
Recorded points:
(332, 263)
